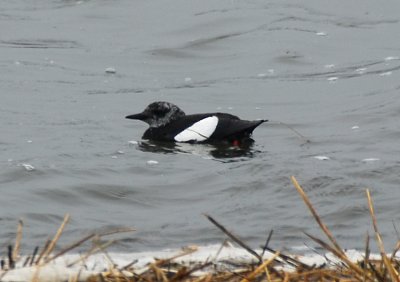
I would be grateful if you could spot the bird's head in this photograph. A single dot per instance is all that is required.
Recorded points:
(159, 114)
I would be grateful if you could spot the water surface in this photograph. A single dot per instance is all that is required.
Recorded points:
(330, 70)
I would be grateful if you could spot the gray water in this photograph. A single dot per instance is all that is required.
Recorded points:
(328, 69)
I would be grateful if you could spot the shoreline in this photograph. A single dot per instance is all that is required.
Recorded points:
(233, 260)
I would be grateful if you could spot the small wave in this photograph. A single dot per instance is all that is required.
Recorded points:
(40, 43)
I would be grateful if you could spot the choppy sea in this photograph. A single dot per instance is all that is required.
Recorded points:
(70, 71)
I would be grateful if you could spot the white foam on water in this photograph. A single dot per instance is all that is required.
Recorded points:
(27, 166)
(361, 70)
(391, 58)
(110, 70)
(270, 72)
(386, 73)
(321, 158)
(367, 160)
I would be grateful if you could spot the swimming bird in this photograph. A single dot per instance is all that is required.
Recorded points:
(169, 123)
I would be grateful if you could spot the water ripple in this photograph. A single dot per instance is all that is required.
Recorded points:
(40, 43)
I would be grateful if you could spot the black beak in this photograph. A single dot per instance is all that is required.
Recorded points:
(140, 116)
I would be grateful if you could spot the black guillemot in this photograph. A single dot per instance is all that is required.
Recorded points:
(169, 123)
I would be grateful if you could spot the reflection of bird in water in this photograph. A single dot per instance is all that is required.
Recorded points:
(208, 151)
(168, 123)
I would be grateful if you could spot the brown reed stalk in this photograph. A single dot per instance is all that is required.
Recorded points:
(336, 249)
(377, 275)
(286, 278)
(206, 278)
(224, 242)
(70, 247)
(18, 238)
(86, 238)
(234, 237)
(42, 252)
(48, 248)
(186, 252)
(57, 236)
(393, 273)
(35, 277)
(260, 268)
(265, 247)
(358, 272)
(396, 249)
(129, 265)
(160, 275)
(115, 231)
(366, 256)
(324, 228)
(92, 251)
(11, 262)
(180, 276)
(267, 274)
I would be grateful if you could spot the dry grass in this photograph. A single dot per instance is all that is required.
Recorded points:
(278, 267)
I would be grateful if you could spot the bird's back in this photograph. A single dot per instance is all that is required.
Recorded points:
(234, 129)
(209, 127)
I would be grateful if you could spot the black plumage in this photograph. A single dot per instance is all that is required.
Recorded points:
(169, 123)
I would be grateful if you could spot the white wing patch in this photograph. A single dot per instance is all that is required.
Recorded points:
(199, 131)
